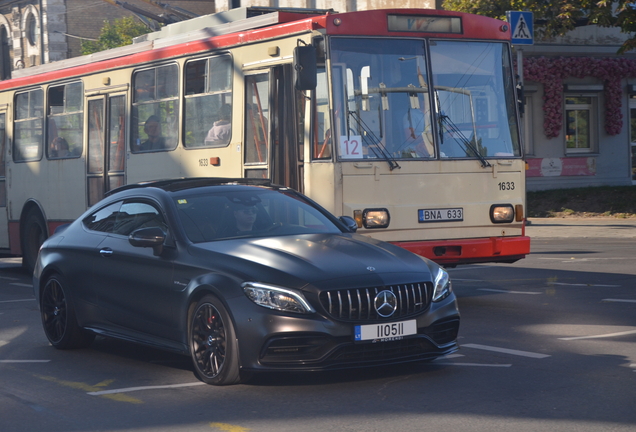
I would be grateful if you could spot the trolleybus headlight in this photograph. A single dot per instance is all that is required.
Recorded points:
(273, 297)
(442, 285)
(376, 218)
(502, 213)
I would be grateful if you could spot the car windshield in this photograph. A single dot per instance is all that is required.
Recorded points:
(256, 212)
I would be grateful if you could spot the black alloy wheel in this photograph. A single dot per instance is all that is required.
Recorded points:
(58, 317)
(213, 346)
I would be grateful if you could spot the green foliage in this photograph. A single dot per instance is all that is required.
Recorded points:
(118, 33)
(555, 18)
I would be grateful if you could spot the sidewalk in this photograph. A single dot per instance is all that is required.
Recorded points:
(581, 228)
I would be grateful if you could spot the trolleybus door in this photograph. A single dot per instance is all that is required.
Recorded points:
(274, 127)
(4, 224)
(106, 145)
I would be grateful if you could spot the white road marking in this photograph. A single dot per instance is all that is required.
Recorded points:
(508, 292)
(619, 300)
(133, 389)
(449, 356)
(506, 351)
(13, 301)
(22, 284)
(583, 285)
(475, 364)
(24, 361)
(600, 336)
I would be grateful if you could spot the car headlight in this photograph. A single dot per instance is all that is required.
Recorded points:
(443, 286)
(277, 298)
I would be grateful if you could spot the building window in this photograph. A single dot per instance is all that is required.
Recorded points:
(580, 121)
(31, 30)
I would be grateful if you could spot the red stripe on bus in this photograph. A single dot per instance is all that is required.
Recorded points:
(464, 251)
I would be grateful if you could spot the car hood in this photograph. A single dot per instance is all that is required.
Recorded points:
(326, 260)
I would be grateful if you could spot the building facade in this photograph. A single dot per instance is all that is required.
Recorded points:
(580, 112)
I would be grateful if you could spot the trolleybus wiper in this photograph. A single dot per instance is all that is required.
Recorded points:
(373, 142)
(468, 144)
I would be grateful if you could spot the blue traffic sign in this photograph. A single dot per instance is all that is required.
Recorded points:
(522, 27)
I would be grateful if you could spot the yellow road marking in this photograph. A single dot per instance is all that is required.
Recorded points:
(228, 427)
(91, 388)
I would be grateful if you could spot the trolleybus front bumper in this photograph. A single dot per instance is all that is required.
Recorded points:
(467, 251)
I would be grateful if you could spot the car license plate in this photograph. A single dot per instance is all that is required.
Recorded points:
(441, 215)
(385, 332)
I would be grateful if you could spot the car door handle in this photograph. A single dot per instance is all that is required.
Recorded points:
(106, 252)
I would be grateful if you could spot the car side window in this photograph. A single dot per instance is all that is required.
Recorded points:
(103, 220)
(124, 217)
(135, 215)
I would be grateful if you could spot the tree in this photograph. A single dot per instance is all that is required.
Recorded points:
(555, 18)
(118, 33)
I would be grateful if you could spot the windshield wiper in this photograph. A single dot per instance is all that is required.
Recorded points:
(373, 142)
(469, 146)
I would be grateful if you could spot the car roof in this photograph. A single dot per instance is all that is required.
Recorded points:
(180, 184)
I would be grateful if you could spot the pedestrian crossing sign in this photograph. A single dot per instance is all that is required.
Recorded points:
(521, 27)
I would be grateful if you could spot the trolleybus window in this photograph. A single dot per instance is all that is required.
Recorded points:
(381, 100)
(65, 120)
(155, 109)
(256, 123)
(28, 126)
(470, 80)
(208, 102)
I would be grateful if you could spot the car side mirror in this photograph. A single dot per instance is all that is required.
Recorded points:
(349, 223)
(152, 237)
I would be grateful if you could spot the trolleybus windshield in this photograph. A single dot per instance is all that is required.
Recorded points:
(383, 107)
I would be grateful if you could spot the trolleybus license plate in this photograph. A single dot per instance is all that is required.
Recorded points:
(385, 332)
(441, 215)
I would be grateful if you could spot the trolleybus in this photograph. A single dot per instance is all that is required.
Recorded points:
(404, 119)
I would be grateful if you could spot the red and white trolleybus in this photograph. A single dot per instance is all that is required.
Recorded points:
(405, 119)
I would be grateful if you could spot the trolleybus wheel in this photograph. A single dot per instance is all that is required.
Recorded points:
(33, 235)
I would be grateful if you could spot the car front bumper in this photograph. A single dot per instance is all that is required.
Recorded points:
(271, 341)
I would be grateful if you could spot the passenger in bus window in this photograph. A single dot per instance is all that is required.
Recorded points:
(155, 140)
(221, 130)
(59, 148)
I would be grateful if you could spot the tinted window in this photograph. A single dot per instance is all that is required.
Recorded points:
(253, 213)
(124, 218)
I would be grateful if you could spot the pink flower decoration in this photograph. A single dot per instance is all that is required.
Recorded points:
(550, 71)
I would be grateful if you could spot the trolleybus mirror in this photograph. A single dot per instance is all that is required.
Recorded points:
(305, 69)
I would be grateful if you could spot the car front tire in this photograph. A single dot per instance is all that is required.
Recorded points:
(213, 345)
(58, 316)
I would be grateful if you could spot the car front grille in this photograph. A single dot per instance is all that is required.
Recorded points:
(359, 304)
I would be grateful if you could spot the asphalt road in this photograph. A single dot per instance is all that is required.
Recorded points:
(548, 344)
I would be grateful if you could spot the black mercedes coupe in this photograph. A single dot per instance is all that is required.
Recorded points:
(243, 276)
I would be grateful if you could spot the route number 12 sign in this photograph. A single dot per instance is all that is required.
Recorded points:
(351, 147)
